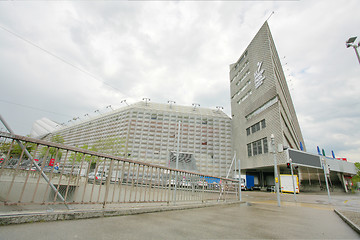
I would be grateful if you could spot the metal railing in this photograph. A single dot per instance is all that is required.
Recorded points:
(46, 173)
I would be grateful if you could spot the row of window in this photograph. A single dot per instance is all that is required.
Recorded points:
(262, 108)
(243, 78)
(241, 89)
(257, 147)
(244, 97)
(256, 127)
(239, 72)
(240, 60)
(165, 116)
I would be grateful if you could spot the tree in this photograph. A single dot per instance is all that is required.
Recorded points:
(355, 179)
(52, 151)
(112, 146)
(16, 150)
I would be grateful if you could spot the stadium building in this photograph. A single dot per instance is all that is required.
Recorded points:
(148, 132)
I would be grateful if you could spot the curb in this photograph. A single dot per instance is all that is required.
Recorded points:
(348, 221)
(31, 217)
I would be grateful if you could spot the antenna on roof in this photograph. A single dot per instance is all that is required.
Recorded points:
(270, 16)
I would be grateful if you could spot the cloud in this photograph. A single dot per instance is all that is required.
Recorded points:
(178, 51)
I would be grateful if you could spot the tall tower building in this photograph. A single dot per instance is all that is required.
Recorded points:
(261, 105)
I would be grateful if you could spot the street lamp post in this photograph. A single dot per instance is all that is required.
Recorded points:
(326, 169)
(177, 162)
(275, 169)
(171, 103)
(195, 105)
(292, 176)
(124, 101)
(239, 168)
(219, 108)
(146, 100)
(350, 43)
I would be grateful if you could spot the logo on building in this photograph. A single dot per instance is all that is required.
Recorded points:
(258, 75)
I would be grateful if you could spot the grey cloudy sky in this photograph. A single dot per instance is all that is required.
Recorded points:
(181, 51)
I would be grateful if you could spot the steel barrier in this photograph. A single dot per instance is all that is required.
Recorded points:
(46, 173)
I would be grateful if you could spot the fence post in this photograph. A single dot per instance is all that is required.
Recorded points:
(108, 179)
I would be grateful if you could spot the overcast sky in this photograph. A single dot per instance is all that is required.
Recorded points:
(65, 59)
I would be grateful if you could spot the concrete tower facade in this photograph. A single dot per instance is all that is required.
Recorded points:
(261, 105)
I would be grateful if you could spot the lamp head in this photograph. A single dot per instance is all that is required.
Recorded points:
(350, 41)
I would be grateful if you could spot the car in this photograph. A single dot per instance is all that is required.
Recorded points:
(170, 182)
(31, 169)
(185, 183)
(50, 169)
(99, 177)
(202, 184)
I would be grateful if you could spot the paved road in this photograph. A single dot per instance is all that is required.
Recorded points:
(339, 200)
(259, 219)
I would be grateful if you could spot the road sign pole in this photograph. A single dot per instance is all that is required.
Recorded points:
(276, 177)
(326, 180)
(292, 176)
(239, 181)
(177, 163)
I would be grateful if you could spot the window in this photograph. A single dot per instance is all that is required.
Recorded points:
(259, 147)
(240, 60)
(263, 124)
(244, 97)
(254, 148)
(262, 108)
(265, 145)
(255, 127)
(249, 150)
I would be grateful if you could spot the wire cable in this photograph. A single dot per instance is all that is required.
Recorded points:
(34, 108)
(59, 58)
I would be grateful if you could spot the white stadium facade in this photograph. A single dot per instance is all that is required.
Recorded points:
(148, 132)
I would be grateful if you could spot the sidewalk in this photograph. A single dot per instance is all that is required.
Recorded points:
(352, 218)
(346, 205)
(95, 211)
(255, 220)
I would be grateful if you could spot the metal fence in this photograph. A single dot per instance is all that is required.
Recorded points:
(46, 173)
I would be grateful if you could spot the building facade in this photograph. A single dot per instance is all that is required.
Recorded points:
(148, 132)
(261, 105)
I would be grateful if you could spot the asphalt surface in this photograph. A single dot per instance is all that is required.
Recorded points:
(310, 217)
